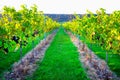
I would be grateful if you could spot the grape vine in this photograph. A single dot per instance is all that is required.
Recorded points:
(102, 28)
(18, 27)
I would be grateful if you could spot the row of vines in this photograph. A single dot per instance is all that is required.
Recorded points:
(102, 29)
(19, 27)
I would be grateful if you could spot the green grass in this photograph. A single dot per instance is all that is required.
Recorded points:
(6, 60)
(61, 61)
(113, 59)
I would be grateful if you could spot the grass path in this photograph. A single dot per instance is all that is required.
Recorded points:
(61, 61)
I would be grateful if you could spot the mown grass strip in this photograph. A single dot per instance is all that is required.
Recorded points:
(61, 61)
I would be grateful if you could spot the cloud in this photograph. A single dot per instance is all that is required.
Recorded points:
(65, 6)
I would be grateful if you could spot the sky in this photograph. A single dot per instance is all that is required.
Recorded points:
(65, 6)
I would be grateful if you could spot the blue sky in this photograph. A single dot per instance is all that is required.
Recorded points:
(65, 6)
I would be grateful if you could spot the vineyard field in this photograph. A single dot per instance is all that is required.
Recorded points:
(39, 46)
